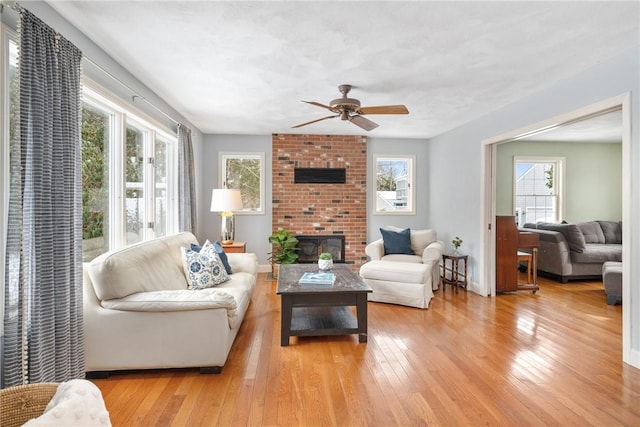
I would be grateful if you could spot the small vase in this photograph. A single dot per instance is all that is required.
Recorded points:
(325, 264)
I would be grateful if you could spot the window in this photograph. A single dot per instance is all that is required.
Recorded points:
(8, 123)
(245, 172)
(128, 168)
(394, 192)
(96, 135)
(538, 189)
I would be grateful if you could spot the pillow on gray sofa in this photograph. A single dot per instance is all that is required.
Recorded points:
(571, 233)
(612, 231)
(592, 232)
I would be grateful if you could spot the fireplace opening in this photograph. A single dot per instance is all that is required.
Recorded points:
(311, 246)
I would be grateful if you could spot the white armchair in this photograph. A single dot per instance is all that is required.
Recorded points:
(425, 244)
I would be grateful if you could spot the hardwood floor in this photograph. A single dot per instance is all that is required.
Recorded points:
(544, 359)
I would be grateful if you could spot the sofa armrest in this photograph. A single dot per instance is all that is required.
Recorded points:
(246, 263)
(554, 254)
(375, 249)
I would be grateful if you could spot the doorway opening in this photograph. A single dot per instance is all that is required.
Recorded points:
(488, 238)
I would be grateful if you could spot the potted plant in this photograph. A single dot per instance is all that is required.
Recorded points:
(457, 242)
(325, 261)
(284, 250)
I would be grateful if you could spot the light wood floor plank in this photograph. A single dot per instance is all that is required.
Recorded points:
(547, 359)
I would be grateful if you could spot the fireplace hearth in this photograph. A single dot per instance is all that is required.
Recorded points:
(310, 246)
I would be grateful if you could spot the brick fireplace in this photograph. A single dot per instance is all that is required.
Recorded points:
(318, 207)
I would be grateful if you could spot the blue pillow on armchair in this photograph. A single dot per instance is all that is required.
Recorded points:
(397, 242)
(221, 254)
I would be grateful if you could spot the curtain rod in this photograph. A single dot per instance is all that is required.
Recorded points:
(16, 6)
(135, 94)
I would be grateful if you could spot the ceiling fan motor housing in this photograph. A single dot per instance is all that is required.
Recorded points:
(344, 105)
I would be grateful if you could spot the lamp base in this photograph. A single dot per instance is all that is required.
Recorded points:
(227, 230)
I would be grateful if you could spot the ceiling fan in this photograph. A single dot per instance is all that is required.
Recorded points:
(349, 109)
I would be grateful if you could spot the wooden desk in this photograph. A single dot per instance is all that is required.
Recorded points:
(235, 248)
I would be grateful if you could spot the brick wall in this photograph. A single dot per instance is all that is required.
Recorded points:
(322, 208)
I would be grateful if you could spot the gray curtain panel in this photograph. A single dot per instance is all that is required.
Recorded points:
(186, 181)
(43, 283)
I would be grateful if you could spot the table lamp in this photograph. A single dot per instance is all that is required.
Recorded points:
(226, 201)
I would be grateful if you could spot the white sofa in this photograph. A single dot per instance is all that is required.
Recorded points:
(401, 278)
(139, 314)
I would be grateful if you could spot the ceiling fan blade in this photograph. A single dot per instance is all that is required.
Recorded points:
(365, 124)
(317, 104)
(313, 121)
(384, 109)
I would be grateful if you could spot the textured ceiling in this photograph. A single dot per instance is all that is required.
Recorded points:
(243, 67)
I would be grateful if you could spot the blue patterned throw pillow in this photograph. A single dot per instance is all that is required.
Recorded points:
(203, 269)
(221, 253)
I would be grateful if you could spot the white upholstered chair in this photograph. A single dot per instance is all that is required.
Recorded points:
(403, 278)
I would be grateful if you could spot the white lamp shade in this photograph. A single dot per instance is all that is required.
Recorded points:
(225, 200)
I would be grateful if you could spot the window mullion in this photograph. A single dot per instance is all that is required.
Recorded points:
(149, 184)
(117, 230)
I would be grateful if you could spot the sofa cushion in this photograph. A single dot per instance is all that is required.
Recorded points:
(592, 232)
(571, 233)
(142, 267)
(395, 272)
(203, 269)
(180, 300)
(612, 231)
(176, 241)
(397, 242)
(597, 253)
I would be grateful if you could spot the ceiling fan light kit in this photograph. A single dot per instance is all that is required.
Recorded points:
(349, 109)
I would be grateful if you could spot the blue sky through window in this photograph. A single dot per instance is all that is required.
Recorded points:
(521, 168)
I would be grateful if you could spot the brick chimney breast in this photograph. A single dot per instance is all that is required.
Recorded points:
(322, 209)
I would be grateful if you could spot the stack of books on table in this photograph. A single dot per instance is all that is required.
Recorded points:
(317, 279)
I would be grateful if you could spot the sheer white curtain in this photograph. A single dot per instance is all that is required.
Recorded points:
(43, 277)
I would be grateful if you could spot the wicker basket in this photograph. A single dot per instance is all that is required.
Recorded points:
(21, 403)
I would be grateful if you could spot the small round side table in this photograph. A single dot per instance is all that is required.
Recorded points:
(456, 266)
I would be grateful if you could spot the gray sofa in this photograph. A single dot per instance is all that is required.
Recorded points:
(577, 251)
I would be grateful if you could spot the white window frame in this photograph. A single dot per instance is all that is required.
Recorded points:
(6, 36)
(94, 94)
(411, 179)
(222, 167)
(559, 179)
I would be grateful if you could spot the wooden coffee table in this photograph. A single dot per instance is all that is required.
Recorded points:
(320, 310)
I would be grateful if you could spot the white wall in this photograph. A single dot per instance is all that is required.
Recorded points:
(456, 205)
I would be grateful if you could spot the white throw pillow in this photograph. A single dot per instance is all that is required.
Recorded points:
(75, 403)
(203, 269)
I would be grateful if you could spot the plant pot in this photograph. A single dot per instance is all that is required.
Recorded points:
(325, 264)
(275, 269)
